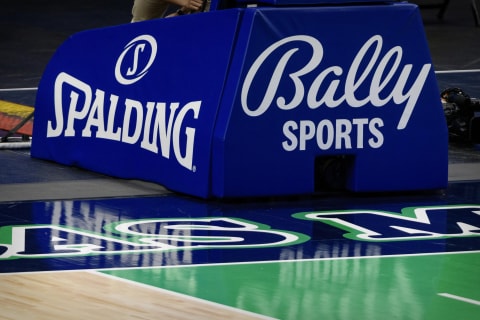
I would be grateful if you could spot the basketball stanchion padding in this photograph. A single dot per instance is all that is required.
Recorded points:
(282, 98)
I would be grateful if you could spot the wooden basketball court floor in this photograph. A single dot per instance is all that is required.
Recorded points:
(79, 245)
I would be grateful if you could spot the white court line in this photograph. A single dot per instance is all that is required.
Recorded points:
(250, 262)
(458, 71)
(452, 296)
(281, 261)
(18, 89)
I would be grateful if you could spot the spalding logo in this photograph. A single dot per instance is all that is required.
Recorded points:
(87, 110)
(131, 66)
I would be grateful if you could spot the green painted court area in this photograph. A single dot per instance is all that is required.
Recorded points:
(435, 286)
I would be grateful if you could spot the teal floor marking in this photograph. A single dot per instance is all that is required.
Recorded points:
(397, 287)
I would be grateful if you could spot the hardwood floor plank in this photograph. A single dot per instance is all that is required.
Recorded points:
(91, 295)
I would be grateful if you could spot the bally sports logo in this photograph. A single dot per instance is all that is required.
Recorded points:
(368, 68)
(156, 126)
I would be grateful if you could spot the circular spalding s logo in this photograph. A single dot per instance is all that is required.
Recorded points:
(136, 59)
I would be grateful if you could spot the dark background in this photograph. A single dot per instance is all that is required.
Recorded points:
(31, 31)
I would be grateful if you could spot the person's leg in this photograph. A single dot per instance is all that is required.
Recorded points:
(148, 9)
